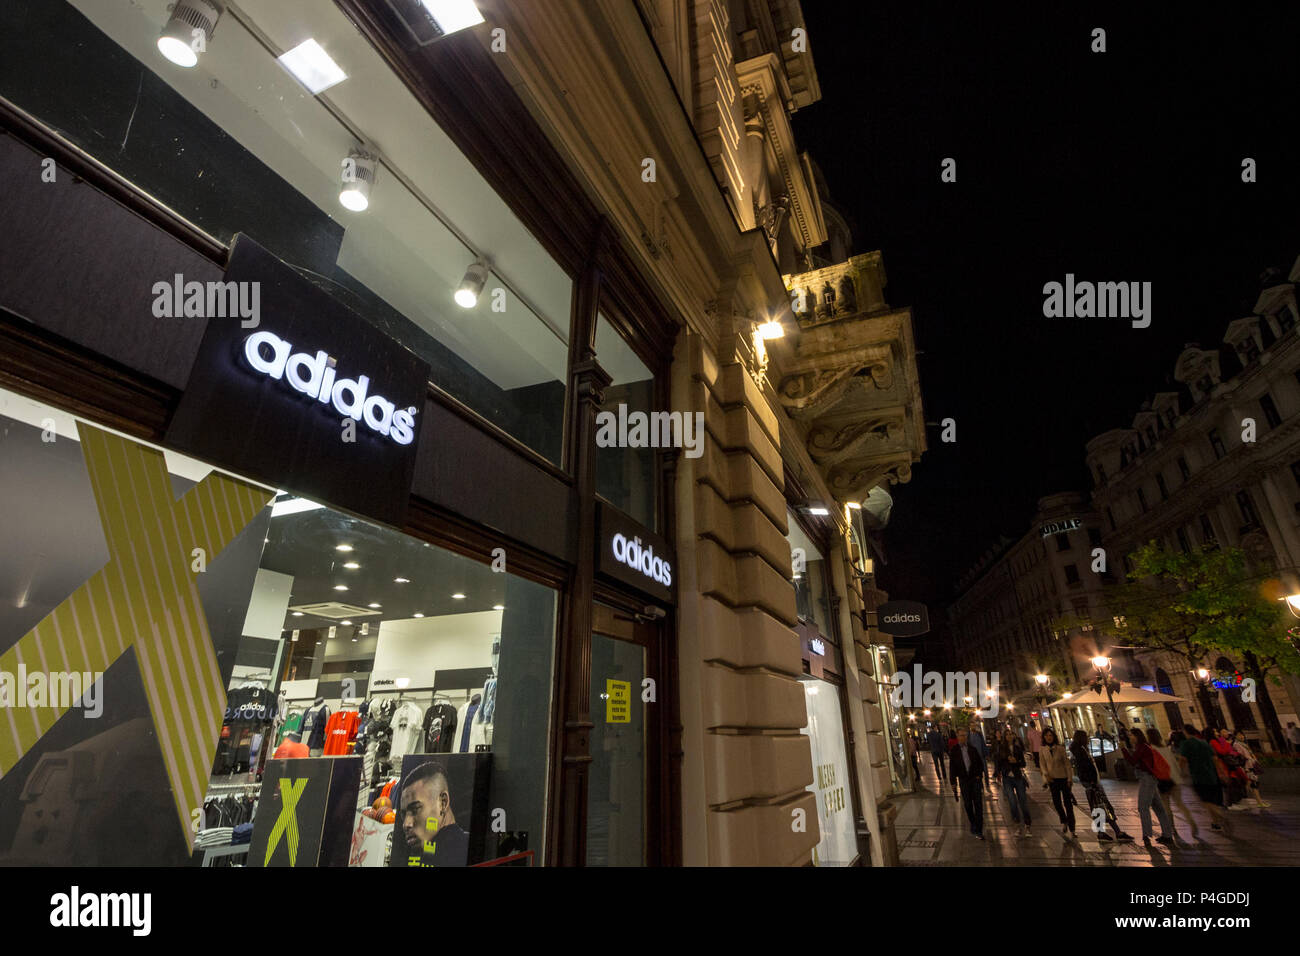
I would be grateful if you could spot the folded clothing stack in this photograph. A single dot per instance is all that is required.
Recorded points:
(242, 834)
(215, 836)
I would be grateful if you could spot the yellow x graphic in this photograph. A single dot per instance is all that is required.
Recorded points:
(287, 822)
(146, 598)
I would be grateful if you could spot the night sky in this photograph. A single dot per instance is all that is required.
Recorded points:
(1118, 166)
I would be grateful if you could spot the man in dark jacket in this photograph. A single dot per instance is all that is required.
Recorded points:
(968, 770)
(938, 750)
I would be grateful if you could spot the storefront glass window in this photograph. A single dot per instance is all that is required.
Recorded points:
(237, 144)
(625, 473)
(892, 724)
(825, 730)
(200, 626)
(812, 598)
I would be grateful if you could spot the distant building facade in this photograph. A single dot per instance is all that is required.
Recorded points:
(1215, 463)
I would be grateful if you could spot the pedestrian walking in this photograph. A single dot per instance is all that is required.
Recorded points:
(1174, 797)
(1152, 773)
(1009, 768)
(1058, 778)
(976, 737)
(1199, 760)
(1234, 784)
(1034, 739)
(913, 754)
(968, 770)
(938, 753)
(1252, 768)
(1091, 780)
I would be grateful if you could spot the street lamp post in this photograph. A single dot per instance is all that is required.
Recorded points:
(1043, 695)
(1205, 692)
(1102, 677)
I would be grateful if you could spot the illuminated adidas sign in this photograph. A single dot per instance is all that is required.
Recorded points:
(314, 376)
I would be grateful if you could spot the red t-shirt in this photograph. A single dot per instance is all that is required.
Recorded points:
(290, 748)
(340, 730)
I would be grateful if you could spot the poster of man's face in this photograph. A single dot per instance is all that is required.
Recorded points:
(437, 801)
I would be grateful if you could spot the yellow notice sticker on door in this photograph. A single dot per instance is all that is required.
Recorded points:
(618, 702)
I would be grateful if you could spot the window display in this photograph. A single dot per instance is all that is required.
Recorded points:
(329, 641)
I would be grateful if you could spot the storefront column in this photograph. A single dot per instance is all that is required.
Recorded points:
(587, 384)
(854, 680)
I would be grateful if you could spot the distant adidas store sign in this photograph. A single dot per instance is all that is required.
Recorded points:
(903, 618)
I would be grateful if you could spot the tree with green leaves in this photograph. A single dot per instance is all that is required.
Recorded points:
(1200, 605)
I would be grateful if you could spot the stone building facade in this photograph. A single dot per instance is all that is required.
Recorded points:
(1216, 461)
(701, 93)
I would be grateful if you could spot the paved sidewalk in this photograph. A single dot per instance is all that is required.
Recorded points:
(932, 830)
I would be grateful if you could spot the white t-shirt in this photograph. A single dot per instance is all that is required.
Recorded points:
(408, 730)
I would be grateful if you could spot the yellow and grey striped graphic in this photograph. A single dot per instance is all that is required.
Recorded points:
(145, 597)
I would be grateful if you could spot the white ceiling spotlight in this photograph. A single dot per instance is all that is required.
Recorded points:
(188, 31)
(312, 67)
(472, 285)
(358, 179)
(452, 15)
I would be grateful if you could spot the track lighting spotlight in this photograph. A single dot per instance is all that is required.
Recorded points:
(358, 178)
(188, 31)
(472, 285)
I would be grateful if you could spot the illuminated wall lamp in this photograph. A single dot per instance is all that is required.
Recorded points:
(471, 287)
(188, 31)
(358, 180)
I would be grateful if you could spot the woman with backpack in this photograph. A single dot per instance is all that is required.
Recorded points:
(1009, 767)
(1152, 773)
(1088, 776)
(1174, 796)
(1058, 776)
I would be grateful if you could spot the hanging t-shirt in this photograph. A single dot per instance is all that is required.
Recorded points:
(250, 703)
(439, 728)
(291, 725)
(407, 731)
(466, 722)
(340, 729)
(313, 726)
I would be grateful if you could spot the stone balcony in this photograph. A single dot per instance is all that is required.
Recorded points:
(848, 377)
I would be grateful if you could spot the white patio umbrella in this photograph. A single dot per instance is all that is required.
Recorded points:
(1127, 696)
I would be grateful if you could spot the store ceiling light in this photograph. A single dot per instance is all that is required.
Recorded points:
(818, 510)
(188, 31)
(472, 285)
(453, 15)
(417, 614)
(312, 67)
(343, 547)
(401, 580)
(297, 614)
(458, 596)
(351, 565)
(374, 604)
(340, 587)
(498, 607)
(345, 623)
(358, 179)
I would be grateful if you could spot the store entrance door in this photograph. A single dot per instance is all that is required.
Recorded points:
(619, 782)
